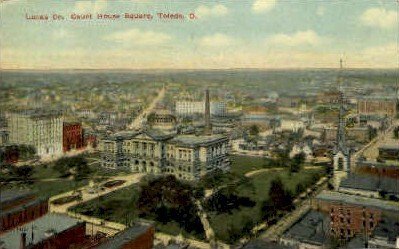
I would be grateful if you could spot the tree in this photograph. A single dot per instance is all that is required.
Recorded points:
(76, 166)
(279, 196)
(254, 130)
(24, 173)
(396, 132)
(297, 162)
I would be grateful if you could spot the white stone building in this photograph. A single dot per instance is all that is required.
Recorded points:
(187, 157)
(189, 108)
(39, 128)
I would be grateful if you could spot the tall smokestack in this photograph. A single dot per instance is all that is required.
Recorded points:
(208, 126)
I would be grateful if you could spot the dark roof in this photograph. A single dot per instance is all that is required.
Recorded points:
(120, 239)
(21, 207)
(387, 228)
(312, 228)
(43, 228)
(261, 244)
(193, 140)
(11, 195)
(371, 183)
(339, 197)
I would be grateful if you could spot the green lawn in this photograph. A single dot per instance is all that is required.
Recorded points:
(226, 225)
(48, 182)
(120, 206)
(243, 164)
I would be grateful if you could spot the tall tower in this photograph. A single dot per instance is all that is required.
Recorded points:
(208, 125)
(341, 153)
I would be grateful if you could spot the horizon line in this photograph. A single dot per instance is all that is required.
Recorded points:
(194, 69)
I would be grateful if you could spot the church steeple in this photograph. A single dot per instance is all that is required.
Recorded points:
(341, 153)
(341, 134)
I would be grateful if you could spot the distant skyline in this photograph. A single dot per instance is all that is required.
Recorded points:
(262, 34)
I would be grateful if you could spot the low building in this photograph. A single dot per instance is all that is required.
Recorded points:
(140, 236)
(353, 215)
(311, 231)
(72, 136)
(377, 106)
(388, 152)
(185, 156)
(51, 231)
(384, 169)
(189, 108)
(370, 186)
(19, 207)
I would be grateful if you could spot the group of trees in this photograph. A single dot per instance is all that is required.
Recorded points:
(166, 199)
(226, 200)
(21, 174)
(76, 166)
(294, 164)
(280, 200)
(20, 152)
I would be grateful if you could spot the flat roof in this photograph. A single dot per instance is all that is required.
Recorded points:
(371, 183)
(120, 239)
(358, 200)
(389, 146)
(43, 227)
(10, 195)
(311, 228)
(193, 140)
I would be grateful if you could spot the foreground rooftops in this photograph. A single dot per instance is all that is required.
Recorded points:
(311, 228)
(358, 200)
(43, 228)
(130, 234)
(11, 195)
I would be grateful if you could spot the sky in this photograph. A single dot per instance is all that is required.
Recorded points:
(265, 34)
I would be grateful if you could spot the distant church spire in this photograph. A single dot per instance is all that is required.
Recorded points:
(341, 136)
(341, 153)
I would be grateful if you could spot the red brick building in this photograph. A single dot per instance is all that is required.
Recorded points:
(19, 207)
(72, 136)
(377, 106)
(352, 215)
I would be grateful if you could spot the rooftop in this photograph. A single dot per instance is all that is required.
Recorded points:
(193, 140)
(371, 183)
(358, 200)
(120, 239)
(43, 228)
(311, 228)
(389, 146)
(10, 195)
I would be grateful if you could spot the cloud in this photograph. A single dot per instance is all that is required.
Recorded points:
(138, 37)
(300, 38)
(217, 10)
(379, 17)
(320, 11)
(260, 6)
(216, 40)
(88, 5)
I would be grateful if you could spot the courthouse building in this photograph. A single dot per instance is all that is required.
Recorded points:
(39, 128)
(155, 152)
